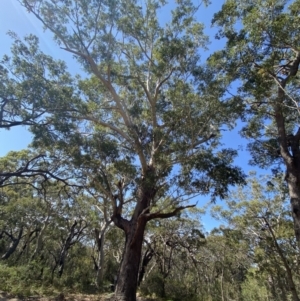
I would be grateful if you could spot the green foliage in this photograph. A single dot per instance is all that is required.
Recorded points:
(32, 84)
(260, 215)
(253, 289)
(261, 45)
(23, 280)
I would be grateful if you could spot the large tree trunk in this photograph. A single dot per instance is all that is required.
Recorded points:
(128, 275)
(293, 182)
(134, 235)
(292, 178)
(290, 152)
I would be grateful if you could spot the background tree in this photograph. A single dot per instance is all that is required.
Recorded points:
(173, 245)
(260, 215)
(262, 57)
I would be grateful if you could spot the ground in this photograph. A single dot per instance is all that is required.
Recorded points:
(61, 297)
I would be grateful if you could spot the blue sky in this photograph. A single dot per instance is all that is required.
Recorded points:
(15, 18)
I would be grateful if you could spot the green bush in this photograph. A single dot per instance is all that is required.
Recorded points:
(16, 280)
(168, 289)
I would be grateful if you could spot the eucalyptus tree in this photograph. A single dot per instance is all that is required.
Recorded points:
(260, 214)
(146, 121)
(262, 58)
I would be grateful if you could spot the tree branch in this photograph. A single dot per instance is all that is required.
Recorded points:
(158, 214)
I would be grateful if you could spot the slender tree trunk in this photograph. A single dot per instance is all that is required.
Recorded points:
(146, 259)
(221, 285)
(14, 244)
(39, 240)
(100, 238)
(163, 288)
(282, 288)
(65, 249)
(272, 287)
(101, 259)
(100, 272)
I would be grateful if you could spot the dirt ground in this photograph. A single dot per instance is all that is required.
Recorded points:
(61, 297)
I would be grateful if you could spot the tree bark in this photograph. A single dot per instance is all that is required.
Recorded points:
(292, 163)
(128, 275)
(134, 234)
(293, 181)
(134, 229)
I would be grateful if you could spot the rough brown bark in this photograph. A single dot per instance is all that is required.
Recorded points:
(134, 233)
(128, 275)
(295, 206)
